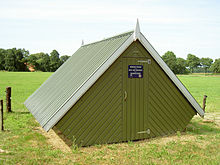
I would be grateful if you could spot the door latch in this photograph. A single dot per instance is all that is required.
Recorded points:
(125, 96)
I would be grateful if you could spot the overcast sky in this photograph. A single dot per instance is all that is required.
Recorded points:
(189, 26)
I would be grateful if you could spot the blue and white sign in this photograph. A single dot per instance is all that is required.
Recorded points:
(135, 71)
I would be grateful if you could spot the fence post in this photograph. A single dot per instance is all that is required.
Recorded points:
(1, 116)
(8, 99)
(204, 102)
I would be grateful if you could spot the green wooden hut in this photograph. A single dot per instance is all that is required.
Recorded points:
(114, 90)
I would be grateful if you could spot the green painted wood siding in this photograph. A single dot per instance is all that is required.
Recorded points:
(97, 116)
(103, 116)
(168, 110)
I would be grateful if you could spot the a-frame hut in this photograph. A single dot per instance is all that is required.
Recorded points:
(117, 89)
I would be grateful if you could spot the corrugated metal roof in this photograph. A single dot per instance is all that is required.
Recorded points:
(51, 97)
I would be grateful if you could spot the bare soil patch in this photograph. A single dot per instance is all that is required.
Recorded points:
(55, 140)
(212, 117)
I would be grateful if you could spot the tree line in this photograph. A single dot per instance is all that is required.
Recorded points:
(191, 64)
(21, 60)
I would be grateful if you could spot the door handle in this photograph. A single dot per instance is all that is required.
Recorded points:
(125, 96)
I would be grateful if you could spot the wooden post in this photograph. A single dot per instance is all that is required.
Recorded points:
(1, 116)
(204, 102)
(8, 99)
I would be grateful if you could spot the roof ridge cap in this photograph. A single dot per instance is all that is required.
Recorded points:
(105, 39)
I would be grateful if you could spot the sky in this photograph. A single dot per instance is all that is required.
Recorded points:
(189, 26)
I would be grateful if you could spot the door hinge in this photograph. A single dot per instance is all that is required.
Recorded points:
(147, 131)
(143, 61)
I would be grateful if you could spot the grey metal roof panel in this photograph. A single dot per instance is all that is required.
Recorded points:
(45, 102)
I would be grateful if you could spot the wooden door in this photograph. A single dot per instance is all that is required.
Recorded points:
(135, 91)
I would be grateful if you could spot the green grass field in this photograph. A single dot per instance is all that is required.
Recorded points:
(24, 143)
(200, 85)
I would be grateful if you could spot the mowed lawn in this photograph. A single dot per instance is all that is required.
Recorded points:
(23, 142)
(200, 85)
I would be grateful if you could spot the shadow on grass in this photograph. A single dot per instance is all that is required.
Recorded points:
(22, 112)
(200, 127)
(18, 112)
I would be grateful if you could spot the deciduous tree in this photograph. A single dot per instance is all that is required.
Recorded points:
(54, 61)
(192, 61)
(64, 58)
(206, 63)
(215, 67)
(40, 61)
(2, 59)
(14, 60)
(181, 66)
(170, 59)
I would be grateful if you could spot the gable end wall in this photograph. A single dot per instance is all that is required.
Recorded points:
(97, 117)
